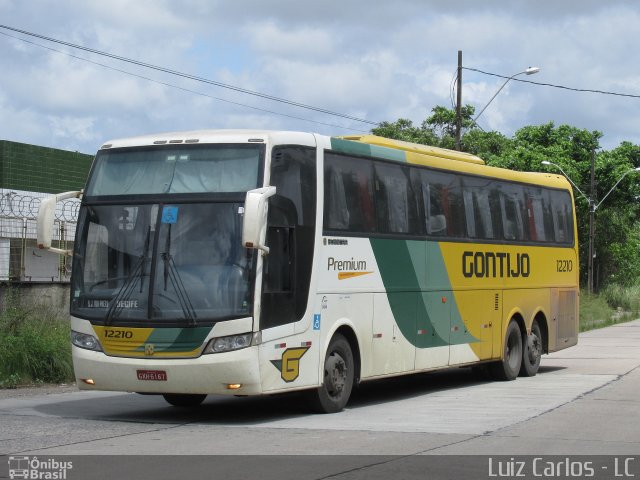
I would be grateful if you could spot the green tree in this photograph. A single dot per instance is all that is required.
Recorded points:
(442, 122)
(490, 146)
(617, 225)
(437, 130)
(403, 129)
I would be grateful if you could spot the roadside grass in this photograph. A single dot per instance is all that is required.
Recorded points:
(623, 298)
(34, 345)
(613, 305)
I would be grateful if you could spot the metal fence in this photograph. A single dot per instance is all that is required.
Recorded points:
(20, 259)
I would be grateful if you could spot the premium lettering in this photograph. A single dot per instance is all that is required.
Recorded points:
(495, 265)
(342, 265)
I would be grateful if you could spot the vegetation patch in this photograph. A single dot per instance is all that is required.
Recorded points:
(34, 345)
(605, 309)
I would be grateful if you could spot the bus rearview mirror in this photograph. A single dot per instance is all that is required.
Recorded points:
(46, 216)
(254, 227)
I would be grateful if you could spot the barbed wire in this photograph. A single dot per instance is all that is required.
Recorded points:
(18, 205)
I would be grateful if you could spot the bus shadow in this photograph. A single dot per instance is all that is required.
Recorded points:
(245, 411)
(222, 410)
(410, 386)
(551, 368)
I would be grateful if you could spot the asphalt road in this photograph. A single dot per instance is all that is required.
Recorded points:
(584, 401)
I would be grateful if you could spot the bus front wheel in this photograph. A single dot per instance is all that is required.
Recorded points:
(337, 384)
(509, 367)
(184, 400)
(532, 351)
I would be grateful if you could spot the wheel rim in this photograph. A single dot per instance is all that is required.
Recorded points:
(534, 347)
(335, 374)
(513, 351)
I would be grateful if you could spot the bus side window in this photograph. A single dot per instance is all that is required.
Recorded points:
(514, 212)
(396, 206)
(536, 206)
(484, 213)
(494, 205)
(335, 202)
(478, 209)
(444, 206)
(547, 217)
(469, 213)
(348, 194)
(435, 222)
(562, 217)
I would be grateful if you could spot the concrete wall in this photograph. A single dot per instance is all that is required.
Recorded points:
(53, 295)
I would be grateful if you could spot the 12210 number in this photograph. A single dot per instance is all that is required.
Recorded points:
(117, 334)
(564, 265)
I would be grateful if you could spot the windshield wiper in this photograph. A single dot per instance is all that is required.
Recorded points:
(143, 258)
(125, 291)
(127, 287)
(171, 273)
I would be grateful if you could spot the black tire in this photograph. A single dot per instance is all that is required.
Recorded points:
(339, 369)
(532, 352)
(509, 367)
(184, 400)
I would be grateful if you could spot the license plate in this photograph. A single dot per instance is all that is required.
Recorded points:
(153, 375)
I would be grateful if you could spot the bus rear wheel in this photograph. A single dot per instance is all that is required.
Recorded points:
(184, 400)
(509, 367)
(532, 352)
(337, 384)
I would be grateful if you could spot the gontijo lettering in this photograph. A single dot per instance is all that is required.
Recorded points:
(495, 264)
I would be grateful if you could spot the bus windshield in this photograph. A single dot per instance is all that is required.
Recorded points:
(159, 236)
(163, 263)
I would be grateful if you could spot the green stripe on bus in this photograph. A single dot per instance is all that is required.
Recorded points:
(405, 267)
(357, 148)
(176, 339)
(437, 270)
(388, 153)
(347, 146)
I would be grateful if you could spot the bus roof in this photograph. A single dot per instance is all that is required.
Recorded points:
(368, 145)
(440, 158)
(211, 136)
(418, 148)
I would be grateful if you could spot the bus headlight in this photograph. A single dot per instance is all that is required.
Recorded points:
(227, 344)
(88, 342)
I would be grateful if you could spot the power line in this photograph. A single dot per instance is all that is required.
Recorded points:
(181, 88)
(191, 77)
(587, 90)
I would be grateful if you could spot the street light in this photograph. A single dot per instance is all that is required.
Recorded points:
(528, 71)
(593, 206)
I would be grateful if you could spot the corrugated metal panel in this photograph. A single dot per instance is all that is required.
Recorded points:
(41, 169)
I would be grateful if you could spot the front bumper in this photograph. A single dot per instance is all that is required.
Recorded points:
(208, 374)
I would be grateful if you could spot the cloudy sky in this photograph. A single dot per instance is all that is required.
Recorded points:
(370, 60)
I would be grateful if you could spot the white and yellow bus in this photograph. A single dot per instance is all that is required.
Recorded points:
(259, 262)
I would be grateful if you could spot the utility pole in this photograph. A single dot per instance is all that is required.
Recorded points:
(459, 102)
(592, 225)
